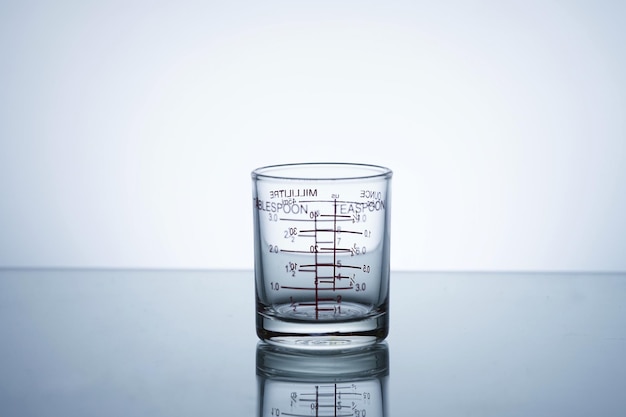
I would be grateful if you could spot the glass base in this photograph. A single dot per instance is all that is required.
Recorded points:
(313, 335)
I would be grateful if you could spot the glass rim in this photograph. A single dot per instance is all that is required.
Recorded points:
(377, 171)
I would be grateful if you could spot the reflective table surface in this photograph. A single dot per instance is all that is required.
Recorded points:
(183, 343)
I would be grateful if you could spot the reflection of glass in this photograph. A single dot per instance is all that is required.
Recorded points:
(306, 383)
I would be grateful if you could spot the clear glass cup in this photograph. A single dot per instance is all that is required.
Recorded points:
(321, 242)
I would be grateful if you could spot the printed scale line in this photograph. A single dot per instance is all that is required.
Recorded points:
(339, 219)
(317, 311)
(335, 249)
(321, 281)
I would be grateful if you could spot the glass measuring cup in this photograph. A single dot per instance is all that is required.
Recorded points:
(321, 241)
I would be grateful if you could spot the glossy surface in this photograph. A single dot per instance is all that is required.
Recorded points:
(321, 254)
(162, 343)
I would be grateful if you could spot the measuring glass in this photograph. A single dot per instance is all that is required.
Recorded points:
(321, 241)
(298, 383)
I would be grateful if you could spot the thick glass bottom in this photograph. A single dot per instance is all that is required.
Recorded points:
(322, 335)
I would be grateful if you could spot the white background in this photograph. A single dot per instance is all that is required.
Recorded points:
(128, 130)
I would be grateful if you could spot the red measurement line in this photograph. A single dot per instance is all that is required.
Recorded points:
(317, 313)
(329, 264)
(315, 288)
(328, 230)
(298, 288)
(335, 250)
(338, 276)
(313, 220)
(342, 277)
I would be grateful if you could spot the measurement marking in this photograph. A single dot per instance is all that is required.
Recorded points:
(297, 288)
(333, 249)
(317, 313)
(334, 230)
(335, 254)
(344, 250)
(315, 288)
(325, 246)
(313, 220)
(283, 413)
(335, 384)
(329, 264)
(317, 397)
